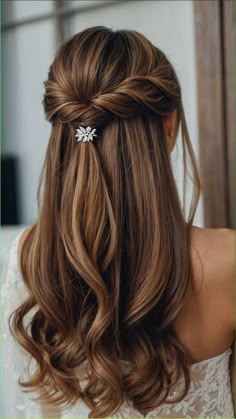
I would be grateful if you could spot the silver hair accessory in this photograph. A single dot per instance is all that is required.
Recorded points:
(85, 134)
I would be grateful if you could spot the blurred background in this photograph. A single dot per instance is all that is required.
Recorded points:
(197, 37)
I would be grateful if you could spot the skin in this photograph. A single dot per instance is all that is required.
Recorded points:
(170, 126)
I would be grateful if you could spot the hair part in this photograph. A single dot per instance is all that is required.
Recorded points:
(105, 281)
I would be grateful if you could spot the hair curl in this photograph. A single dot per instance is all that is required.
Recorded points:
(107, 263)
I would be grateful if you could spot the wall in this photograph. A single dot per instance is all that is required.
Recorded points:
(27, 52)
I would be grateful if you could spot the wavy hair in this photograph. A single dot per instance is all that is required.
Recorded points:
(107, 263)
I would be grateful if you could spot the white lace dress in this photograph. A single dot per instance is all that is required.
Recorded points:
(209, 395)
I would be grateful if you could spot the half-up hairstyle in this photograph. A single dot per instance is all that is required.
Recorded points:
(107, 263)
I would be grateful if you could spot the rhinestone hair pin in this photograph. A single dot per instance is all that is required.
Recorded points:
(85, 134)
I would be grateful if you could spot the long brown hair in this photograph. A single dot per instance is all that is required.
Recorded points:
(107, 263)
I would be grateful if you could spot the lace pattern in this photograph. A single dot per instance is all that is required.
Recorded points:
(209, 395)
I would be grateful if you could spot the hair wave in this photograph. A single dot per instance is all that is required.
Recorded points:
(107, 262)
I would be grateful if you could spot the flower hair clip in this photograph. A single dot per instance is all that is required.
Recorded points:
(85, 134)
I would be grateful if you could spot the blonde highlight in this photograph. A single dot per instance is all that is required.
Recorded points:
(105, 281)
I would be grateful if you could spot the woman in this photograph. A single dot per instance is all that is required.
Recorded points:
(125, 308)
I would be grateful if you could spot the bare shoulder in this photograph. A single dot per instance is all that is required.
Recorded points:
(214, 236)
(216, 246)
(213, 254)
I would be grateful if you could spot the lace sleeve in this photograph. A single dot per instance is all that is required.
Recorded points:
(15, 403)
